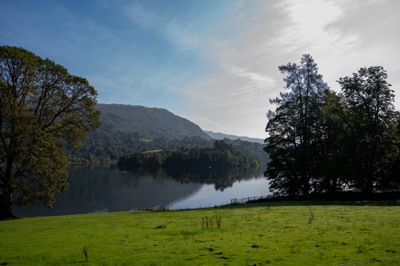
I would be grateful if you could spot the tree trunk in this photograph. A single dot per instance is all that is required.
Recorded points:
(6, 205)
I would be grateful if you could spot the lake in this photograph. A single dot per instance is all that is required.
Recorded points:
(108, 189)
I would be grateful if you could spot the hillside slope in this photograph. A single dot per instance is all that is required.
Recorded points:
(215, 135)
(149, 122)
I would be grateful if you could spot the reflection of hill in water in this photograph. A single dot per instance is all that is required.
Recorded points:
(220, 178)
(101, 189)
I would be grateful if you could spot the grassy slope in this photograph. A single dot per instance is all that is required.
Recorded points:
(280, 235)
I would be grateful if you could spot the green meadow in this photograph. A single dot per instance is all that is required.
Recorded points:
(282, 233)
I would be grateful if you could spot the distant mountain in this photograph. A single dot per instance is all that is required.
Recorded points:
(127, 128)
(232, 137)
(148, 122)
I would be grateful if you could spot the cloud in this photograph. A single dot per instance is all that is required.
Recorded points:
(246, 59)
(310, 25)
(144, 18)
(167, 28)
(257, 78)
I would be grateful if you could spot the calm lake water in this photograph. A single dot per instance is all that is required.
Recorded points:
(108, 189)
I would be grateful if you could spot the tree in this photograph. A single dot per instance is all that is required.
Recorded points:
(43, 111)
(293, 129)
(371, 138)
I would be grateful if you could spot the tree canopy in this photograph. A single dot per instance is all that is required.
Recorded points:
(43, 111)
(222, 155)
(321, 141)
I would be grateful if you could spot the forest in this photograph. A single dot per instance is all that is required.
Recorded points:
(323, 141)
(108, 144)
(221, 155)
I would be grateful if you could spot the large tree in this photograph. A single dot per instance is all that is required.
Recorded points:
(293, 129)
(371, 130)
(43, 111)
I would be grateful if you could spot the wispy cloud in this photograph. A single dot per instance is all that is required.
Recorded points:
(146, 19)
(214, 62)
(270, 35)
(168, 28)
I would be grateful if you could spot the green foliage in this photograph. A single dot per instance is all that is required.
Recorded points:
(223, 155)
(371, 130)
(108, 144)
(42, 109)
(323, 142)
(293, 129)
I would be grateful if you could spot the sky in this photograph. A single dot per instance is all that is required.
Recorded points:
(213, 62)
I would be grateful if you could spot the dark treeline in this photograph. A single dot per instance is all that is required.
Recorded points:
(107, 143)
(222, 155)
(322, 141)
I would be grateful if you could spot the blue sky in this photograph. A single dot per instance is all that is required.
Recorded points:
(214, 62)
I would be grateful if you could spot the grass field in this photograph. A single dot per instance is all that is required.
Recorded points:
(316, 233)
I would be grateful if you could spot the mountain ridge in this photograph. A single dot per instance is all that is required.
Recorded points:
(148, 121)
(219, 136)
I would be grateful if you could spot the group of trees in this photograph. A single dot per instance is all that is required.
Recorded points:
(322, 141)
(222, 155)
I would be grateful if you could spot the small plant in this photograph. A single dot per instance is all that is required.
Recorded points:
(311, 218)
(185, 234)
(218, 220)
(206, 222)
(85, 252)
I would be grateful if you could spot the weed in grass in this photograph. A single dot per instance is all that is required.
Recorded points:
(207, 222)
(185, 234)
(218, 219)
(311, 218)
(85, 252)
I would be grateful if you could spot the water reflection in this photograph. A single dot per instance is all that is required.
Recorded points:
(220, 178)
(110, 190)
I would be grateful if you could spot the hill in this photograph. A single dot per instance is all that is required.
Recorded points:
(219, 136)
(127, 129)
(148, 122)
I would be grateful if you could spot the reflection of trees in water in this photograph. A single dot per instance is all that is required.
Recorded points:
(94, 189)
(220, 178)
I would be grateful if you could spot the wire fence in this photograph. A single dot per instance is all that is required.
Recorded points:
(244, 200)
